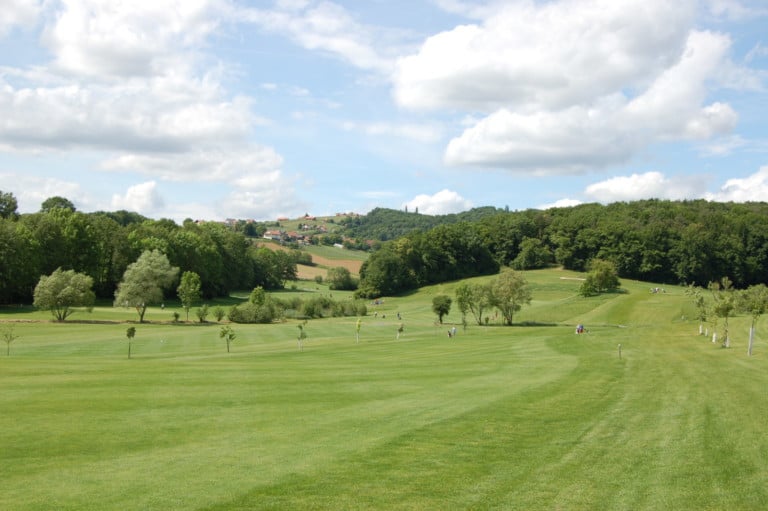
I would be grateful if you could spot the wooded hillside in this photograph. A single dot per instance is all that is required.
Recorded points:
(690, 242)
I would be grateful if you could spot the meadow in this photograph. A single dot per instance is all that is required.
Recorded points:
(526, 417)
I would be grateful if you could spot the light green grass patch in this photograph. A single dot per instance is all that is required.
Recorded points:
(522, 417)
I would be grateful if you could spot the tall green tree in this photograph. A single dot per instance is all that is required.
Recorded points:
(189, 290)
(340, 278)
(19, 262)
(144, 281)
(474, 298)
(602, 278)
(55, 202)
(509, 292)
(533, 254)
(441, 305)
(8, 205)
(384, 273)
(62, 290)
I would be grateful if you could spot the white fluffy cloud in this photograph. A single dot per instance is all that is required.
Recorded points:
(441, 203)
(646, 186)
(14, 13)
(122, 76)
(30, 191)
(132, 81)
(225, 164)
(750, 188)
(120, 39)
(564, 87)
(547, 55)
(139, 116)
(325, 27)
(143, 198)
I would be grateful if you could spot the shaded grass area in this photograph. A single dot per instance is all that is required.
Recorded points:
(496, 418)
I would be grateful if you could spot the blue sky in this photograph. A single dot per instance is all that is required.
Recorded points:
(214, 109)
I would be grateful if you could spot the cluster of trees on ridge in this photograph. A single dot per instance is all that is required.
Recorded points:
(674, 242)
(688, 242)
(101, 245)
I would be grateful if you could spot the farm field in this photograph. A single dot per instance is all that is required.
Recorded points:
(525, 417)
(324, 258)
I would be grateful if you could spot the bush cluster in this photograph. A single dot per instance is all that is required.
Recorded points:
(266, 309)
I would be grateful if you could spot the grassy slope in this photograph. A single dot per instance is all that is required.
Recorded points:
(528, 417)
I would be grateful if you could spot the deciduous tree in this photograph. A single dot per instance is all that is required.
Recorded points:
(228, 334)
(754, 301)
(700, 302)
(8, 205)
(144, 281)
(8, 337)
(189, 290)
(62, 290)
(509, 292)
(474, 298)
(340, 278)
(441, 305)
(130, 333)
(723, 304)
(202, 312)
(602, 278)
(56, 202)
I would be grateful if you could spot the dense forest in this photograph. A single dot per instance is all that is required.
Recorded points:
(102, 245)
(689, 242)
(382, 224)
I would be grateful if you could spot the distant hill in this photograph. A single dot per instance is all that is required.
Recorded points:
(384, 224)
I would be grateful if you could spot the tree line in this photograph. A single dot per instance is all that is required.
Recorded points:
(674, 242)
(102, 245)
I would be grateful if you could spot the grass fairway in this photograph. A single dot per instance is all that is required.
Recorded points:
(525, 417)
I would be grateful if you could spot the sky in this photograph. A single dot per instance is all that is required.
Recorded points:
(215, 109)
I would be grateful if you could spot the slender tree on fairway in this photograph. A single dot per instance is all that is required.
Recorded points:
(143, 282)
(700, 302)
(9, 337)
(302, 335)
(724, 304)
(228, 334)
(189, 290)
(754, 301)
(130, 334)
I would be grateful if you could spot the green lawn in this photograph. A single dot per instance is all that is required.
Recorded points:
(525, 417)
